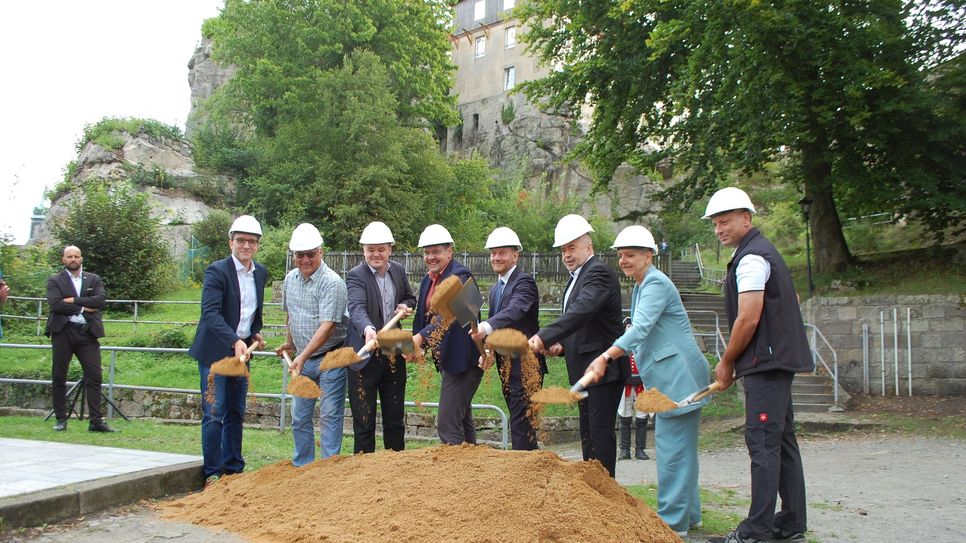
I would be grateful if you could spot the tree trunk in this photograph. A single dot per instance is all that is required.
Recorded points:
(828, 243)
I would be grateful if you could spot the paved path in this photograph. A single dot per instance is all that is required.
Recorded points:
(29, 466)
(860, 489)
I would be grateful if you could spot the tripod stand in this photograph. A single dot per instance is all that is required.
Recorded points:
(78, 392)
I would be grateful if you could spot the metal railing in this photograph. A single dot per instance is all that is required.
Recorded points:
(282, 397)
(716, 333)
(713, 276)
(813, 337)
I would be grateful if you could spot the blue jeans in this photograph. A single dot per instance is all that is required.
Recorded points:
(332, 412)
(221, 423)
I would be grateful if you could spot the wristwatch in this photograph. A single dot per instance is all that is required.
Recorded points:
(626, 321)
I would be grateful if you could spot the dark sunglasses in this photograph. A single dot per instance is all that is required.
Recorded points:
(306, 254)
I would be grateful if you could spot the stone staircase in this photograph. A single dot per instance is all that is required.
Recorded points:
(685, 275)
(813, 393)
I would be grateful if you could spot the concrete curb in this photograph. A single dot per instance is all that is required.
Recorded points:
(52, 505)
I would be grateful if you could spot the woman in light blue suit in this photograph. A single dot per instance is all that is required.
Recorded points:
(668, 359)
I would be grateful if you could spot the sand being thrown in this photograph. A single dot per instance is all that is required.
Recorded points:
(446, 493)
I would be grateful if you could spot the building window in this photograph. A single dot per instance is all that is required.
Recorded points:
(480, 46)
(509, 77)
(511, 37)
(508, 4)
(479, 10)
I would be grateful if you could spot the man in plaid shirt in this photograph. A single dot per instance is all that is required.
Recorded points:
(315, 318)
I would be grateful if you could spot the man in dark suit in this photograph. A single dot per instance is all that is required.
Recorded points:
(514, 303)
(378, 289)
(231, 320)
(456, 355)
(589, 324)
(74, 326)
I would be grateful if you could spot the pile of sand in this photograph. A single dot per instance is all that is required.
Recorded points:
(446, 493)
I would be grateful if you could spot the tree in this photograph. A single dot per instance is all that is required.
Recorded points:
(112, 225)
(856, 100)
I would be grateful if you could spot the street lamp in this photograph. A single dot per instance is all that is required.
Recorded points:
(806, 204)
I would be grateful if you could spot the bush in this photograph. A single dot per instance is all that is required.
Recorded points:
(26, 270)
(171, 338)
(106, 131)
(112, 225)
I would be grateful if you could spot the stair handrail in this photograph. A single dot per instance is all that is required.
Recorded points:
(813, 338)
(708, 275)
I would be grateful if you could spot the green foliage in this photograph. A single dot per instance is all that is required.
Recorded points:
(171, 338)
(25, 269)
(860, 104)
(212, 232)
(220, 147)
(273, 250)
(106, 131)
(280, 48)
(119, 240)
(508, 113)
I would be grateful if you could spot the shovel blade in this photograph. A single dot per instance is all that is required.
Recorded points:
(467, 303)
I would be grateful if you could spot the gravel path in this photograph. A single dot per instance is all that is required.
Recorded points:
(860, 489)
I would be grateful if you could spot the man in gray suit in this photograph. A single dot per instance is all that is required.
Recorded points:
(377, 289)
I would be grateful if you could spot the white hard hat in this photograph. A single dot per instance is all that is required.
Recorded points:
(246, 224)
(635, 235)
(376, 232)
(435, 234)
(503, 237)
(728, 199)
(305, 237)
(569, 228)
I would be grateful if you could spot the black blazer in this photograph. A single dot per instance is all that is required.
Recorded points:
(591, 323)
(365, 301)
(519, 307)
(456, 353)
(60, 286)
(221, 311)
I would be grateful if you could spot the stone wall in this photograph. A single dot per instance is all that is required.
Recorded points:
(266, 412)
(938, 340)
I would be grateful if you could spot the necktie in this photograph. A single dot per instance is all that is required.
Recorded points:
(498, 295)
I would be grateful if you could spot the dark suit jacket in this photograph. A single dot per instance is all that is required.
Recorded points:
(221, 311)
(519, 307)
(60, 286)
(365, 302)
(591, 323)
(456, 353)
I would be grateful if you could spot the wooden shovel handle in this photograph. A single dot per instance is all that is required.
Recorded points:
(479, 344)
(393, 321)
(288, 361)
(712, 388)
(248, 352)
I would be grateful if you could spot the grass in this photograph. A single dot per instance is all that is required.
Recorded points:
(721, 509)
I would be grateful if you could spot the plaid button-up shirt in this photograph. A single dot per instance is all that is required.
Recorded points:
(311, 301)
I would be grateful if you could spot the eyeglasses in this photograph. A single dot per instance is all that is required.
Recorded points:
(306, 254)
(245, 241)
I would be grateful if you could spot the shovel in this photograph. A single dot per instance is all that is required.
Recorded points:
(345, 356)
(696, 397)
(561, 395)
(301, 386)
(234, 366)
(466, 307)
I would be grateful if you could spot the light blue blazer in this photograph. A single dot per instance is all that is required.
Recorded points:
(661, 338)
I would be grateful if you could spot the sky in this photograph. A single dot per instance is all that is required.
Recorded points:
(67, 63)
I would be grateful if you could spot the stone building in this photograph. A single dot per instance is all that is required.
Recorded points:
(515, 135)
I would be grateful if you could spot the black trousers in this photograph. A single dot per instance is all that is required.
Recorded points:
(776, 462)
(454, 420)
(523, 436)
(71, 341)
(598, 415)
(389, 381)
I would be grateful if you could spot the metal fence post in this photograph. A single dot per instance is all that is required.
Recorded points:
(39, 313)
(110, 385)
(135, 316)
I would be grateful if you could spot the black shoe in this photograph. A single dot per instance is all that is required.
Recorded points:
(735, 537)
(625, 454)
(100, 427)
(788, 537)
(60, 426)
(641, 455)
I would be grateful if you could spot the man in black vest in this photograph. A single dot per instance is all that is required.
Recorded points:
(767, 347)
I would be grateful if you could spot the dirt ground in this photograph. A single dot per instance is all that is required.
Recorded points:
(868, 485)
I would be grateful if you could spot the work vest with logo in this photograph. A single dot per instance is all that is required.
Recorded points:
(779, 342)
